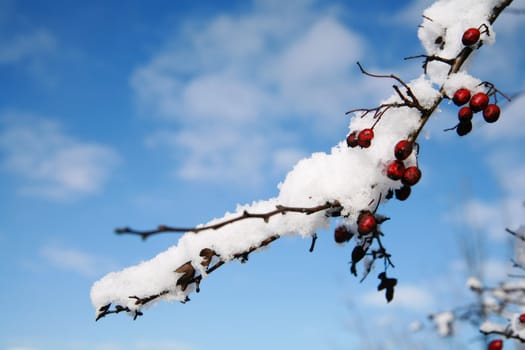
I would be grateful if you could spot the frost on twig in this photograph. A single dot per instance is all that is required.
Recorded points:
(348, 183)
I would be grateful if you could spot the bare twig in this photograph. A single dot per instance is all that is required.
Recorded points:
(412, 102)
(428, 59)
(279, 209)
(515, 234)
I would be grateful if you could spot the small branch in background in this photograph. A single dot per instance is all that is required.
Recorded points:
(515, 234)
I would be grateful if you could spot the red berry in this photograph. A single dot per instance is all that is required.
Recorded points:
(522, 318)
(464, 128)
(366, 223)
(465, 114)
(341, 234)
(403, 149)
(411, 176)
(395, 170)
(365, 137)
(479, 101)
(491, 113)
(351, 140)
(403, 193)
(471, 36)
(496, 344)
(461, 97)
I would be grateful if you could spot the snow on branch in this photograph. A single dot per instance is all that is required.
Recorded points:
(374, 163)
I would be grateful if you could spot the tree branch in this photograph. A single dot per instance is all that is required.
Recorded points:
(279, 209)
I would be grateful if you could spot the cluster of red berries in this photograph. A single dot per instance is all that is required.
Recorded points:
(496, 344)
(366, 223)
(396, 169)
(476, 103)
(362, 139)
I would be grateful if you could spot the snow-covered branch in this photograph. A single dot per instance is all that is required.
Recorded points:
(350, 182)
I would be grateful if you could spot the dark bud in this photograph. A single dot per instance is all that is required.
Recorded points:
(137, 314)
(464, 128)
(388, 285)
(342, 234)
(207, 254)
(403, 193)
(188, 272)
(358, 254)
(351, 140)
(381, 218)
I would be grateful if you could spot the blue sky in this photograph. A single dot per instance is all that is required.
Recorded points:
(174, 112)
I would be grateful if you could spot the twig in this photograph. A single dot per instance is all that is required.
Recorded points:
(428, 59)
(409, 103)
(515, 234)
(280, 209)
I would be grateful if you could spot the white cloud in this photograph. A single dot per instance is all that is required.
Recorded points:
(223, 154)
(411, 14)
(482, 217)
(406, 296)
(228, 80)
(75, 260)
(492, 270)
(27, 46)
(49, 162)
(491, 217)
(508, 164)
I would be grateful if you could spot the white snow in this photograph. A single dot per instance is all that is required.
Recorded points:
(355, 177)
(444, 323)
(488, 327)
(448, 20)
(461, 80)
(474, 284)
